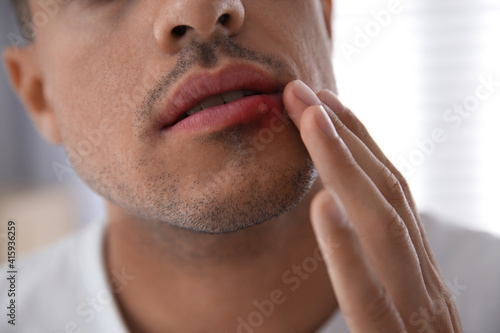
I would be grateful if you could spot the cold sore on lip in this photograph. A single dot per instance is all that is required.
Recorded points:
(228, 109)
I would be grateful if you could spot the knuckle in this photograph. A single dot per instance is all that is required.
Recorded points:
(441, 320)
(339, 125)
(357, 126)
(399, 176)
(362, 131)
(397, 229)
(347, 163)
(402, 181)
(350, 170)
(391, 188)
(379, 305)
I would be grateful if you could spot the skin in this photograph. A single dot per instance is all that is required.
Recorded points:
(176, 203)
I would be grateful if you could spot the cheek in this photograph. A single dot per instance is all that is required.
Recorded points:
(98, 86)
(300, 33)
(316, 55)
(92, 121)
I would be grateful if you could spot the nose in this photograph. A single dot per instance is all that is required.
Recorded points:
(182, 21)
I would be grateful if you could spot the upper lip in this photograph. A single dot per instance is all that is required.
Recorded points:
(198, 86)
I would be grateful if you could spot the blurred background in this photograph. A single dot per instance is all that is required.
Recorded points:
(416, 71)
(423, 75)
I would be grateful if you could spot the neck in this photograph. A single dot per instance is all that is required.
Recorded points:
(261, 277)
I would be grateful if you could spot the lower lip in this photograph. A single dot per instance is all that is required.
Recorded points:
(241, 111)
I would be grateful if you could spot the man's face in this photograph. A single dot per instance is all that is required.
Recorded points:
(118, 74)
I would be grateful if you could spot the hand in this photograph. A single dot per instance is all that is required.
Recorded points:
(383, 272)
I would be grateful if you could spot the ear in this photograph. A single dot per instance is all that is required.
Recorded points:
(328, 14)
(27, 81)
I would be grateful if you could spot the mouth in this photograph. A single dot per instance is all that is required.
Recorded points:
(212, 101)
(216, 100)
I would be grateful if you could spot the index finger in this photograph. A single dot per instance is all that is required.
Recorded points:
(363, 299)
(384, 234)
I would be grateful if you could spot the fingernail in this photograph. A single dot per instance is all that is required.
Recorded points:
(331, 99)
(305, 94)
(325, 123)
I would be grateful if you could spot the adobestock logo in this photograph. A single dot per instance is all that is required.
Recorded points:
(453, 119)
(293, 278)
(96, 305)
(363, 37)
(39, 19)
(266, 135)
(423, 318)
(264, 309)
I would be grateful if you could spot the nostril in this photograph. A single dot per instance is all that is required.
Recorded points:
(224, 19)
(180, 30)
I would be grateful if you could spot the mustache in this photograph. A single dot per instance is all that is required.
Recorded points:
(208, 55)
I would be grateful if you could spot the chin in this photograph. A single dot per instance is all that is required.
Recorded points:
(238, 201)
(245, 206)
(237, 190)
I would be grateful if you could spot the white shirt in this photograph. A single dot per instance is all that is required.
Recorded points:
(64, 288)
